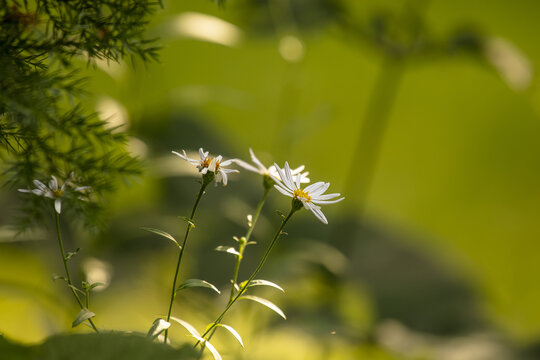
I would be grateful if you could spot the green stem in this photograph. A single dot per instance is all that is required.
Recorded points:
(182, 248)
(255, 272)
(68, 275)
(247, 237)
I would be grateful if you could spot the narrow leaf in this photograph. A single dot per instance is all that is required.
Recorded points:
(261, 282)
(190, 222)
(158, 326)
(90, 287)
(162, 233)
(228, 249)
(188, 327)
(210, 347)
(82, 316)
(266, 303)
(76, 289)
(197, 283)
(234, 332)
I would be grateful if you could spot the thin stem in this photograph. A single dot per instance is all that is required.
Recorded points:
(247, 237)
(182, 248)
(255, 272)
(68, 275)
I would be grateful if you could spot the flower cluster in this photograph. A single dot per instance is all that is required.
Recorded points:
(287, 181)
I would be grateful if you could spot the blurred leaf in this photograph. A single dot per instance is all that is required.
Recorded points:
(76, 289)
(266, 303)
(91, 286)
(188, 327)
(58, 277)
(210, 347)
(162, 233)
(228, 249)
(197, 283)
(157, 328)
(83, 315)
(261, 282)
(234, 332)
(103, 346)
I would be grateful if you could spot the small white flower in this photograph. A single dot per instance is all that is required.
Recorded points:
(53, 191)
(209, 163)
(263, 170)
(310, 197)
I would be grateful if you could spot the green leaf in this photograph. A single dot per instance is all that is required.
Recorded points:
(76, 289)
(82, 316)
(162, 233)
(261, 282)
(159, 325)
(91, 286)
(228, 249)
(188, 220)
(188, 327)
(197, 283)
(266, 303)
(234, 332)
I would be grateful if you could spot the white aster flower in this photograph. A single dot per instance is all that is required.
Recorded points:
(264, 171)
(209, 163)
(54, 191)
(311, 196)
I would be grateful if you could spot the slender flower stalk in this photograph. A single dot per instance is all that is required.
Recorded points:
(207, 179)
(296, 205)
(66, 268)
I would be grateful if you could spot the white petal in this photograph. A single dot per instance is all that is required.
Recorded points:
(283, 191)
(298, 178)
(322, 202)
(297, 170)
(256, 161)
(202, 154)
(325, 196)
(40, 185)
(316, 210)
(81, 188)
(224, 175)
(182, 156)
(25, 190)
(281, 176)
(317, 192)
(288, 177)
(39, 192)
(247, 166)
(313, 187)
(53, 184)
(58, 205)
(226, 162)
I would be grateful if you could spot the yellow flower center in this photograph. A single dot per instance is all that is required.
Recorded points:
(206, 162)
(299, 193)
(58, 193)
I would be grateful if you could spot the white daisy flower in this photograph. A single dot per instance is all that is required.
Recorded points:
(264, 171)
(311, 196)
(53, 191)
(209, 163)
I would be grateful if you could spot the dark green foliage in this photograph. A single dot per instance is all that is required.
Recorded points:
(105, 346)
(45, 127)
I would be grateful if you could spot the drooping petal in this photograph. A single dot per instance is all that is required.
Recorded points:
(224, 175)
(58, 205)
(316, 210)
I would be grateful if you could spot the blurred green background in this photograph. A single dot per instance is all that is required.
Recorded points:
(423, 114)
